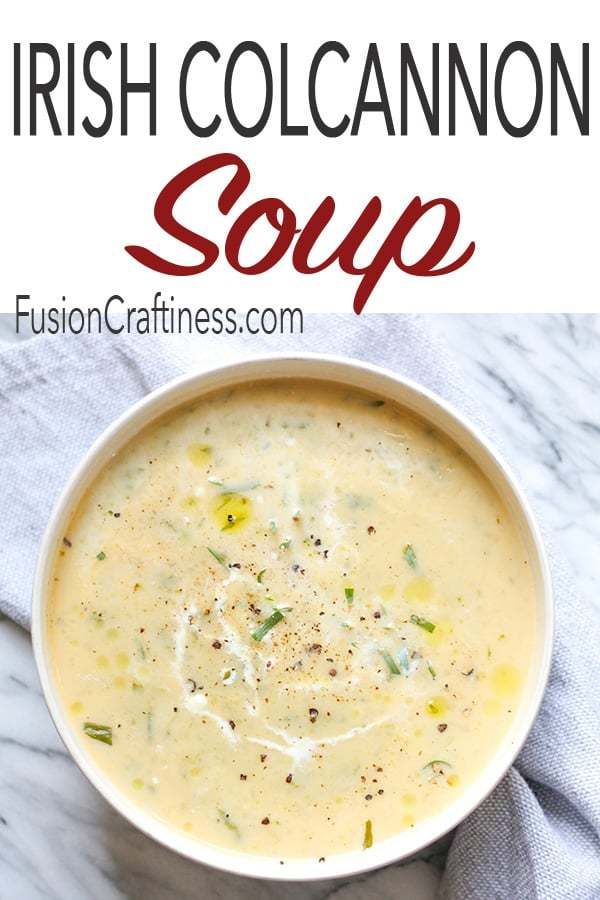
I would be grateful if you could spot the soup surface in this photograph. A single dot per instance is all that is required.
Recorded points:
(291, 620)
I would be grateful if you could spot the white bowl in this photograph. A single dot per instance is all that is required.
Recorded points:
(439, 413)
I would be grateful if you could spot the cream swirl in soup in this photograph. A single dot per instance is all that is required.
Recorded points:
(291, 619)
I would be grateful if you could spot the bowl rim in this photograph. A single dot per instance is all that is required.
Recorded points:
(390, 850)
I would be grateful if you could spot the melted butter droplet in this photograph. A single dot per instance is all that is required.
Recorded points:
(198, 454)
(231, 511)
(506, 680)
(436, 706)
(418, 588)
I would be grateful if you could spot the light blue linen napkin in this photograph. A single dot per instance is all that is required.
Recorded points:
(537, 837)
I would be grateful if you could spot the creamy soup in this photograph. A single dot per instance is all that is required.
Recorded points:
(291, 619)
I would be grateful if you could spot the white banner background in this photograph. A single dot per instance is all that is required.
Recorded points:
(70, 204)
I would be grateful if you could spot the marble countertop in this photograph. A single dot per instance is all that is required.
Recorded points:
(540, 375)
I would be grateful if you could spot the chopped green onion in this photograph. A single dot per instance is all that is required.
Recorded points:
(403, 660)
(228, 823)
(410, 556)
(101, 555)
(216, 481)
(266, 626)
(368, 838)
(218, 556)
(431, 670)
(389, 661)
(285, 545)
(349, 592)
(98, 732)
(355, 501)
(240, 488)
(422, 623)
(430, 768)
(259, 577)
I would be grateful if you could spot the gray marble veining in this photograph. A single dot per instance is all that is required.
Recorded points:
(540, 377)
